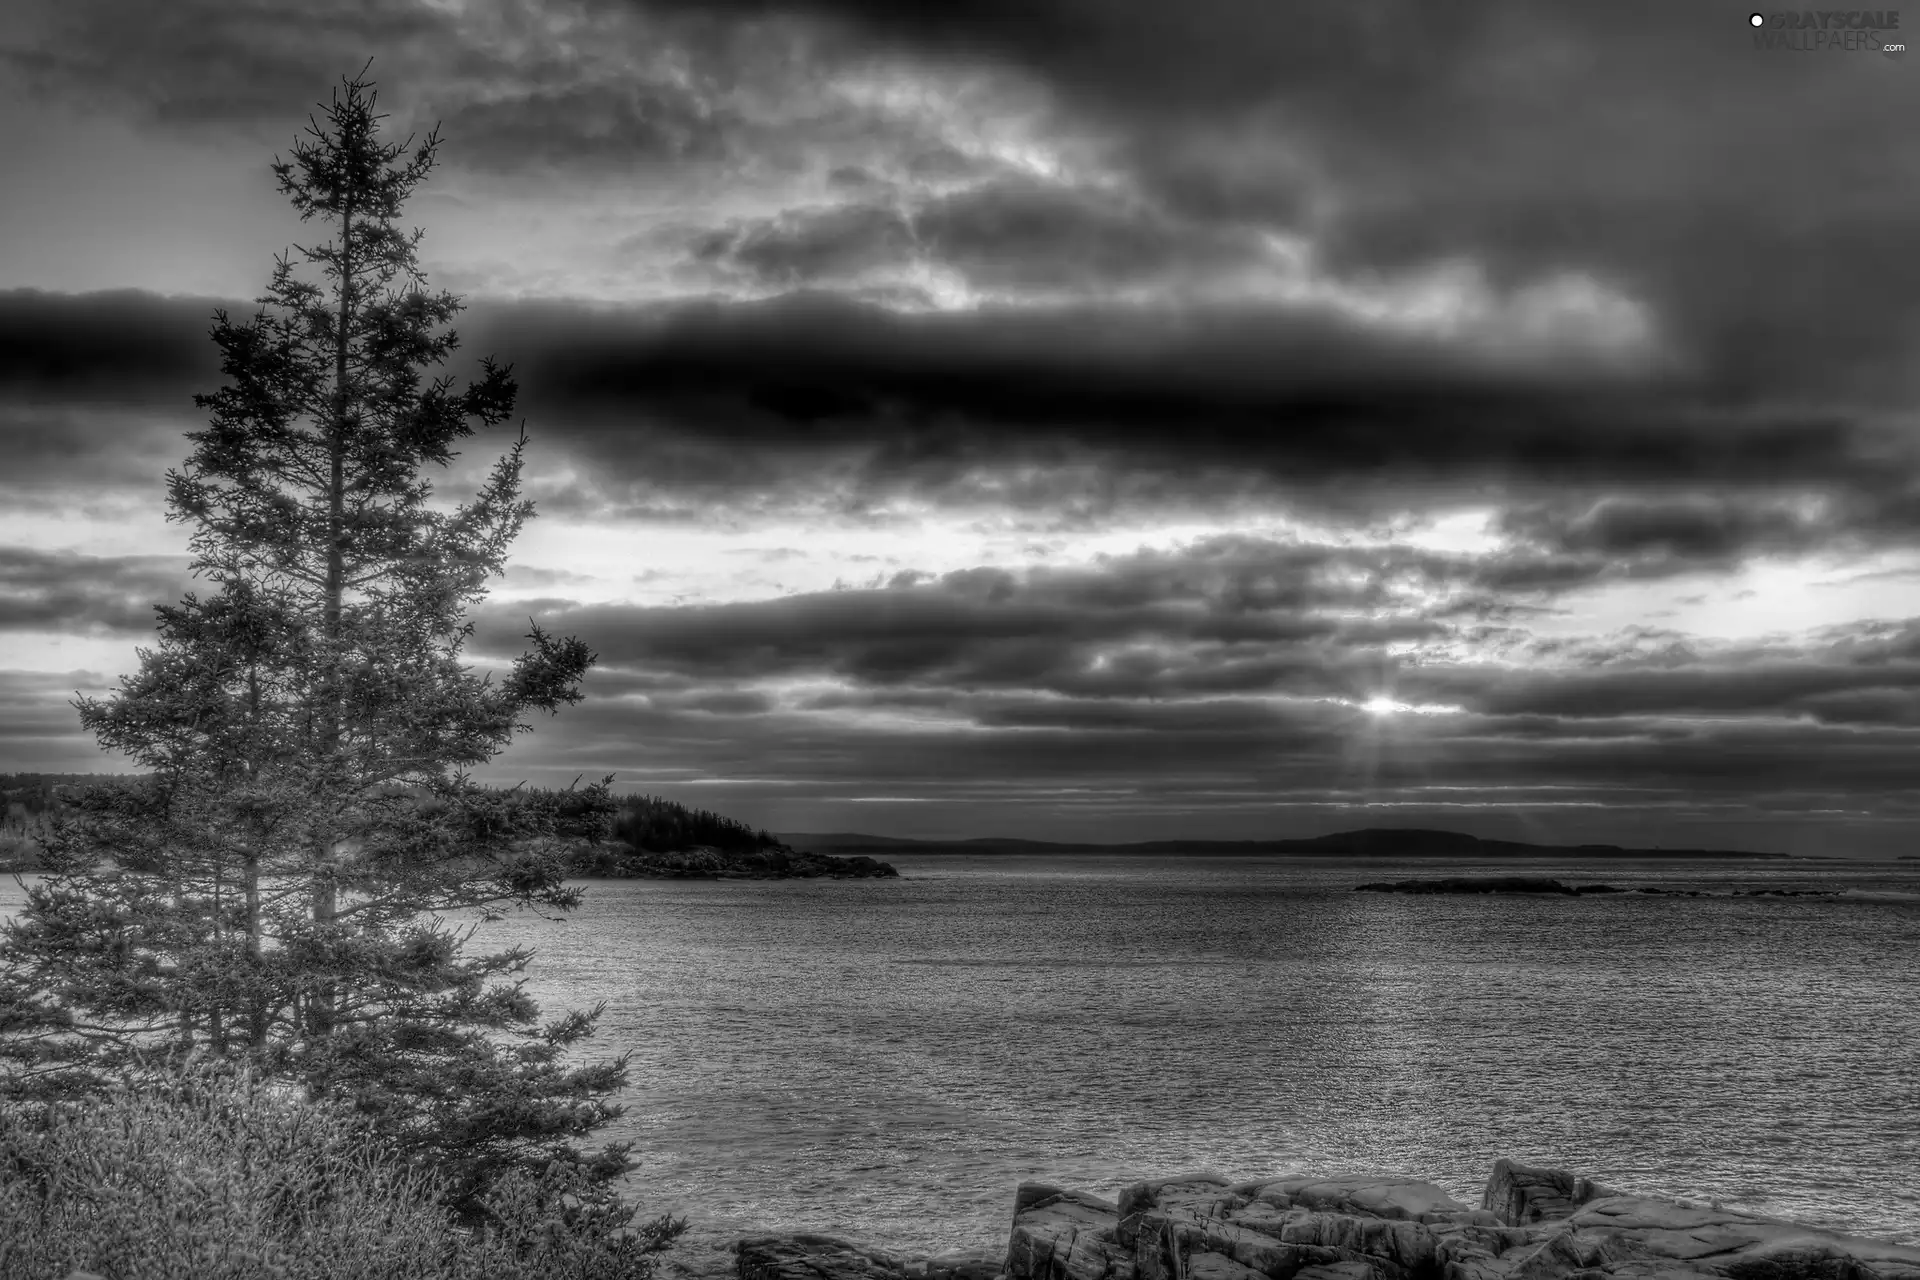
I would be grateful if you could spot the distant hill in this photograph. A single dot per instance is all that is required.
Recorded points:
(1373, 842)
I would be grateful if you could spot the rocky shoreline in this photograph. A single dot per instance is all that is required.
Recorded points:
(1530, 1224)
(1547, 885)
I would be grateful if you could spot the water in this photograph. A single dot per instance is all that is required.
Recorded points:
(887, 1059)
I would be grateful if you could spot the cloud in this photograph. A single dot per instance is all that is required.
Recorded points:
(96, 390)
(1554, 158)
(840, 243)
(1224, 618)
(1529, 139)
(818, 408)
(1224, 677)
(1016, 236)
(1705, 529)
(671, 392)
(68, 592)
(1273, 288)
(1304, 396)
(117, 347)
(559, 87)
(1123, 766)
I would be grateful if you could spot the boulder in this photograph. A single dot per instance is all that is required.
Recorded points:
(1365, 1195)
(1335, 1271)
(813, 1257)
(1198, 1195)
(1655, 1233)
(1064, 1235)
(1518, 1194)
(1410, 1248)
(961, 1264)
(1217, 1266)
(1533, 1224)
(1166, 1242)
(1171, 1223)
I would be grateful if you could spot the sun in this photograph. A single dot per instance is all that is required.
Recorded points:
(1380, 707)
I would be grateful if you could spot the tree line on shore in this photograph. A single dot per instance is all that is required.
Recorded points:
(31, 802)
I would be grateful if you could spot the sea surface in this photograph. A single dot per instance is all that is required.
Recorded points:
(888, 1059)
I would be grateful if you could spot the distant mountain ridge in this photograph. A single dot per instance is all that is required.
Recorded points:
(1371, 842)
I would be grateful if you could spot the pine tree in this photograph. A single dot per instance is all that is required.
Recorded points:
(275, 889)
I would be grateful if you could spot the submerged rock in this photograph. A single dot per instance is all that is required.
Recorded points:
(1480, 884)
(1547, 885)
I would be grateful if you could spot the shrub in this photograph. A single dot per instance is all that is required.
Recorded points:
(212, 1175)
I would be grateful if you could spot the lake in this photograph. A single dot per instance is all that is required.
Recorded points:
(887, 1059)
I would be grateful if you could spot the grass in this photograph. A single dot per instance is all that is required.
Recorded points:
(217, 1177)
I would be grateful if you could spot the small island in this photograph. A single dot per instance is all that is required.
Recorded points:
(709, 862)
(651, 838)
(658, 839)
(1548, 885)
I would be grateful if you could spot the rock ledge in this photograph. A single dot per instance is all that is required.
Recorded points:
(1530, 1224)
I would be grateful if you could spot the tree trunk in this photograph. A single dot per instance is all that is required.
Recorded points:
(250, 875)
(257, 1004)
(325, 894)
(216, 1014)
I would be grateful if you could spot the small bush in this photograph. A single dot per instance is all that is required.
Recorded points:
(215, 1177)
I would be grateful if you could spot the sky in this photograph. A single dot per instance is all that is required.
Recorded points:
(1073, 419)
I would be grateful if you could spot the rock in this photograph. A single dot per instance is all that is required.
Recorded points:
(1197, 1194)
(1165, 1247)
(1472, 884)
(813, 1257)
(1065, 1235)
(962, 1264)
(1533, 1224)
(1170, 1223)
(1335, 1271)
(698, 1257)
(1518, 1194)
(1408, 1246)
(1367, 1195)
(1217, 1266)
(1726, 1242)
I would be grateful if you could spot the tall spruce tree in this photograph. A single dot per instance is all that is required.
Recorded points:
(276, 888)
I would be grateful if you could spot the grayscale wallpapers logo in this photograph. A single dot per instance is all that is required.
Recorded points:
(1830, 31)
